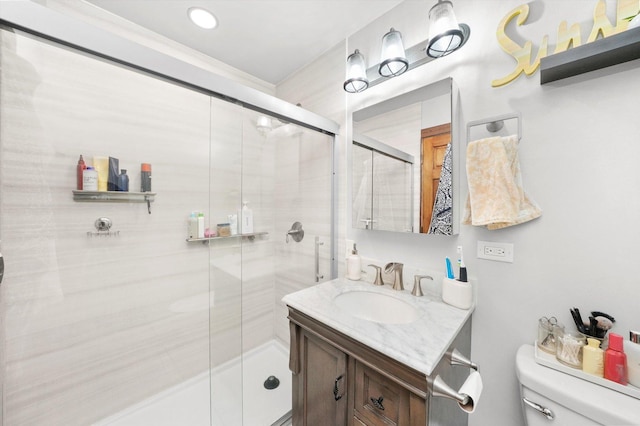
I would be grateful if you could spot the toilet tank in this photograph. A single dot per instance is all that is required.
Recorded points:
(570, 401)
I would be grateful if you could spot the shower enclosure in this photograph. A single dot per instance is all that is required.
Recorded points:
(137, 324)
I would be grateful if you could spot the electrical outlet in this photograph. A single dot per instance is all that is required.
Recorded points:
(501, 252)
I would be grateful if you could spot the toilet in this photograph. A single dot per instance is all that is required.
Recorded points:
(550, 397)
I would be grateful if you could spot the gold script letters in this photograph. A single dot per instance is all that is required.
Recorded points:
(567, 36)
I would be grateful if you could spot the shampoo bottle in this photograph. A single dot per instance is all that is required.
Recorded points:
(246, 219)
(354, 265)
(89, 179)
(123, 181)
(615, 360)
(593, 358)
(192, 226)
(200, 225)
(632, 349)
(80, 168)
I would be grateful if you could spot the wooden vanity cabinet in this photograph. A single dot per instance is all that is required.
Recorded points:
(338, 381)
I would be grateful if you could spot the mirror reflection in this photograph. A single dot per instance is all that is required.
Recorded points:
(382, 186)
(403, 173)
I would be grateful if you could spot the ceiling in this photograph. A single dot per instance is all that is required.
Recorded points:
(269, 39)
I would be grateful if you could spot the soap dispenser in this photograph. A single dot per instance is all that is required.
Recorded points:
(354, 265)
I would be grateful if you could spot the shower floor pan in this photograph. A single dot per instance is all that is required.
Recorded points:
(188, 402)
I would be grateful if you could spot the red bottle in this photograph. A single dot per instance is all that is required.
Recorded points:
(79, 170)
(615, 360)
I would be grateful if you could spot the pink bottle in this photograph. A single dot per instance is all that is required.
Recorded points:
(615, 360)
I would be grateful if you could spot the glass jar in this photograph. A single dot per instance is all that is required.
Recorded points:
(569, 349)
(548, 330)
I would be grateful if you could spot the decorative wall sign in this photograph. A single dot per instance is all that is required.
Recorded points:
(567, 36)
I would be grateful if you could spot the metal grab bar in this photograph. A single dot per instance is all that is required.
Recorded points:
(318, 244)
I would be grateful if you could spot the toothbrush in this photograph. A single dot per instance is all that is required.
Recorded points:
(449, 269)
(463, 268)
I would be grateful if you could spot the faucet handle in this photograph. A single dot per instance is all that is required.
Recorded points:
(378, 280)
(417, 289)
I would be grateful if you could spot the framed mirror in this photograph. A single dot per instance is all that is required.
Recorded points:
(405, 173)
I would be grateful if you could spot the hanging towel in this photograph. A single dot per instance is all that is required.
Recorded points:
(442, 216)
(496, 198)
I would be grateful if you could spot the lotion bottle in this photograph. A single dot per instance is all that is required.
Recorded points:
(354, 265)
(615, 360)
(593, 358)
(632, 349)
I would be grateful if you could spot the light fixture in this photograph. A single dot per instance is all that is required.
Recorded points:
(357, 80)
(445, 34)
(202, 18)
(445, 37)
(393, 61)
(263, 124)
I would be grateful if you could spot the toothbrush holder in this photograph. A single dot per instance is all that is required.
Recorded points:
(457, 293)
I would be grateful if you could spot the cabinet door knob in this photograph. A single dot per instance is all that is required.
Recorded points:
(377, 402)
(335, 388)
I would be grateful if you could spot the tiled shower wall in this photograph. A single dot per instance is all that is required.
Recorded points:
(93, 325)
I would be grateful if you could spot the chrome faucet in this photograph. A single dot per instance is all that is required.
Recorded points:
(417, 289)
(378, 280)
(396, 268)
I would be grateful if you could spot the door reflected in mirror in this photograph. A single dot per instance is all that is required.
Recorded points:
(390, 190)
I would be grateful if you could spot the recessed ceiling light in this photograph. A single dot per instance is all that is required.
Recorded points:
(202, 18)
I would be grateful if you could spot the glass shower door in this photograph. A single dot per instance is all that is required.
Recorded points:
(287, 183)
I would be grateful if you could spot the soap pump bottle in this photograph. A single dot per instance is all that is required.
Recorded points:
(354, 265)
(593, 358)
(615, 360)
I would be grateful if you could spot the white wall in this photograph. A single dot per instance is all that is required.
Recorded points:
(578, 155)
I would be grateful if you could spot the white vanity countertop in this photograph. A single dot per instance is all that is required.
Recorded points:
(419, 344)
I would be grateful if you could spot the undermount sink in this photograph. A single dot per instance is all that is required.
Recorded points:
(377, 307)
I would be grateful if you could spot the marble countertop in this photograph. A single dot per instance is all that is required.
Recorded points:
(419, 344)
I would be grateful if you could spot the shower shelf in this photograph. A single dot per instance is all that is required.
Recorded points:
(251, 237)
(113, 196)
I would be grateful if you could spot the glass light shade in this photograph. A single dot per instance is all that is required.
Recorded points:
(202, 18)
(263, 124)
(356, 73)
(393, 60)
(445, 34)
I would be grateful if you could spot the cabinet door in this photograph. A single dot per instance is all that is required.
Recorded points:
(379, 400)
(320, 389)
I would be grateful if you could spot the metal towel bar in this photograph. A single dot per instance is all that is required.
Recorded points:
(494, 124)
